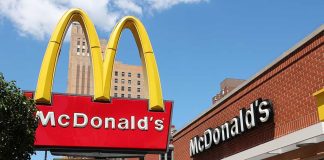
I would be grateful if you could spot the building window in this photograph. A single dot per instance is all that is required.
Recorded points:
(129, 74)
(122, 88)
(123, 81)
(78, 49)
(78, 42)
(138, 82)
(138, 75)
(138, 89)
(115, 95)
(116, 80)
(129, 96)
(116, 73)
(116, 88)
(83, 50)
(129, 81)
(123, 74)
(122, 95)
(83, 43)
(129, 89)
(138, 96)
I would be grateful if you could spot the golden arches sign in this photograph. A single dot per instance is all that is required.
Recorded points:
(102, 68)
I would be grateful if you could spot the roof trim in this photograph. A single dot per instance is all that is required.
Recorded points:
(245, 83)
(310, 135)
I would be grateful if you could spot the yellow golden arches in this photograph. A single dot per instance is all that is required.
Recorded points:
(46, 74)
(102, 73)
(146, 54)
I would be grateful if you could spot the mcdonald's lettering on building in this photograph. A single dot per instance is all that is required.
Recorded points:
(277, 114)
(99, 122)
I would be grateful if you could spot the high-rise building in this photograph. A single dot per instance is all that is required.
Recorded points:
(226, 85)
(127, 80)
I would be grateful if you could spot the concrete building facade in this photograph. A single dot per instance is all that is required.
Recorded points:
(127, 80)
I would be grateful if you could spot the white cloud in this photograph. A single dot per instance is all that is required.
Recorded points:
(37, 18)
(128, 6)
(32, 17)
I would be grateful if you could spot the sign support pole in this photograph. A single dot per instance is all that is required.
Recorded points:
(45, 157)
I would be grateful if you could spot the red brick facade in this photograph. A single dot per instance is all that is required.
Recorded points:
(289, 84)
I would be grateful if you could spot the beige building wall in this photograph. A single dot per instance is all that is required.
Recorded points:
(127, 80)
(227, 85)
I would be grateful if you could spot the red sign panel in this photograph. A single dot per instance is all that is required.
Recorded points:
(122, 124)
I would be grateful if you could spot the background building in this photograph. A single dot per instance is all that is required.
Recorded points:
(227, 85)
(127, 80)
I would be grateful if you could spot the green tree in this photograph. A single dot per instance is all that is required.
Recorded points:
(17, 122)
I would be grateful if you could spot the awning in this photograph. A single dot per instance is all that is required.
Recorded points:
(311, 135)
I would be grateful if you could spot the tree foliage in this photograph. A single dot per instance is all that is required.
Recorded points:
(17, 122)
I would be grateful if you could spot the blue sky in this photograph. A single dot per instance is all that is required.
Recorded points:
(196, 43)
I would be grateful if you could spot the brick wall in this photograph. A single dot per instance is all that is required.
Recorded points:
(289, 84)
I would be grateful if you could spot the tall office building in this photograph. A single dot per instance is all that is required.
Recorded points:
(127, 80)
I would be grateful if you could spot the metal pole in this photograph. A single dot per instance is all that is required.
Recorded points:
(45, 158)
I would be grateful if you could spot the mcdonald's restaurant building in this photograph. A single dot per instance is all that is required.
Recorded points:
(277, 114)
